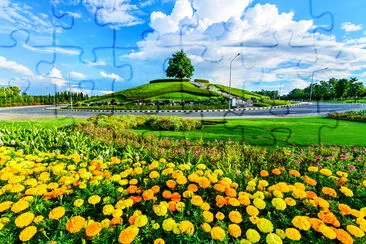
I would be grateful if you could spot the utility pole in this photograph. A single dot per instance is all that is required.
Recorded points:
(237, 55)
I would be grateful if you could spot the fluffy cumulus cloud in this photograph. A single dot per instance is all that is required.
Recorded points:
(115, 12)
(14, 67)
(76, 76)
(111, 76)
(274, 46)
(350, 27)
(56, 77)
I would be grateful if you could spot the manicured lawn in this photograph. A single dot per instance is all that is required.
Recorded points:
(264, 132)
(39, 122)
(278, 131)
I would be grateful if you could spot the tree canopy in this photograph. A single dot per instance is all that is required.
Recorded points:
(180, 66)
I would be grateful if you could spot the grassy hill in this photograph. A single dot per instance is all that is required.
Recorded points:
(169, 90)
(240, 92)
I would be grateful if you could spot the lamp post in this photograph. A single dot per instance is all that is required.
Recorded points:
(237, 55)
(68, 76)
(312, 80)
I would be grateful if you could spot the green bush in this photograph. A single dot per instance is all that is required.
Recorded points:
(349, 115)
(202, 81)
(168, 80)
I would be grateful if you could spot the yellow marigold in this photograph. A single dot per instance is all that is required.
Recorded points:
(180, 206)
(208, 216)
(354, 230)
(293, 234)
(294, 173)
(94, 199)
(234, 202)
(186, 227)
(105, 223)
(168, 224)
(5, 206)
(265, 225)
(272, 238)
(220, 216)
(24, 219)
(108, 209)
(301, 223)
(253, 236)
(344, 209)
(252, 211)
(75, 224)
(141, 220)
(128, 235)
(181, 180)
(329, 191)
(263, 183)
(299, 194)
(38, 219)
(57, 213)
(280, 233)
(19, 206)
(259, 203)
(159, 241)
(235, 217)
(154, 174)
(325, 172)
(217, 233)
(205, 206)
(313, 169)
(327, 231)
(234, 230)
(279, 203)
(343, 236)
(161, 210)
(27, 233)
(196, 200)
(78, 202)
(206, 227)
(346, 191)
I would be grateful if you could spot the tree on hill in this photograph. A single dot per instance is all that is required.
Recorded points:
(180, 66)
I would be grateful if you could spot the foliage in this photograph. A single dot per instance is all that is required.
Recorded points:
(179, 66)
(349, 115)
(75, 199)
(168, 80)
(270, 94)
(330, 90)
(202, 81)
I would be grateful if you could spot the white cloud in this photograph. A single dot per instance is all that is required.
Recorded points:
(56, 77)
(111, 76)
(14, 67)
(350, 27)
(117, 12)
(267, 39)
(51, 50)
(76, 76)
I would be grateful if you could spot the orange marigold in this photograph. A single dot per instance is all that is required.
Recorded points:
(75, 224)
(328, 217)
(93, 229)
(344, 208)
(276, 171)
(264, 173)
(343, 236)
(329, 191)
(128, 235)
(148, 195)
(294, 173)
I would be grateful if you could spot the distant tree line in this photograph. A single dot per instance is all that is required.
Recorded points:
(332, 89)
(12, 96)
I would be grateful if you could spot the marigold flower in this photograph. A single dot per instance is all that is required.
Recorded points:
(159, 241)
(327, 232)
(329, 191)
(154, 174)
(75, 224)
(310, 181)
(272, 238)
(252, 211)
(313, 169)
(290, 201)
(167, 194)
(108, 209)
(24, 219)
(279, 203)
(171, 184)
(5, 206)
(293, 234)
(180, 206)
(259, 203)
(93, 229)
(344, 209)
(346, 191)
(301, 223)
(294, 173)
(253, 236)
(354, 230)
(219, 216)
(181, 180)
(325, 172)
(265, 225)
(328, 217)
(128, 235)
(208, 216)
(206, 227)
(27, 233)
(168, 224)
(276, 171)
(196, 200)
(234, 230)
(148, 195)
(94, 199)
(315, 223)
(235, 217)
(105, 223)
(78, 202)
(19, 206)
(217, 233)
(57, 213)
(186, 227)
(343, 236)
(141, 220)
(38, 219)
(192, 187)
(264, 173)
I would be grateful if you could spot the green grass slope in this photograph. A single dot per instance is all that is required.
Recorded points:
(240, 92)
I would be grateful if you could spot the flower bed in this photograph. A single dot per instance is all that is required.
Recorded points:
(349, 115)
(52, 198)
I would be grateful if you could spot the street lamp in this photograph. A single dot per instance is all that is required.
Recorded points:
(237, 55)
(312, 80)
(68, 76)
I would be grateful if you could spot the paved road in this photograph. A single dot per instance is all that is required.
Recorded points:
(304, 110)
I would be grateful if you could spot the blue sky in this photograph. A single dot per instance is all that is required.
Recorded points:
(100, 46)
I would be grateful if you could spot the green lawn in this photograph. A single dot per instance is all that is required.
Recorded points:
(39, 122)
(264, 132)
(279, 131)
(240, 93)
